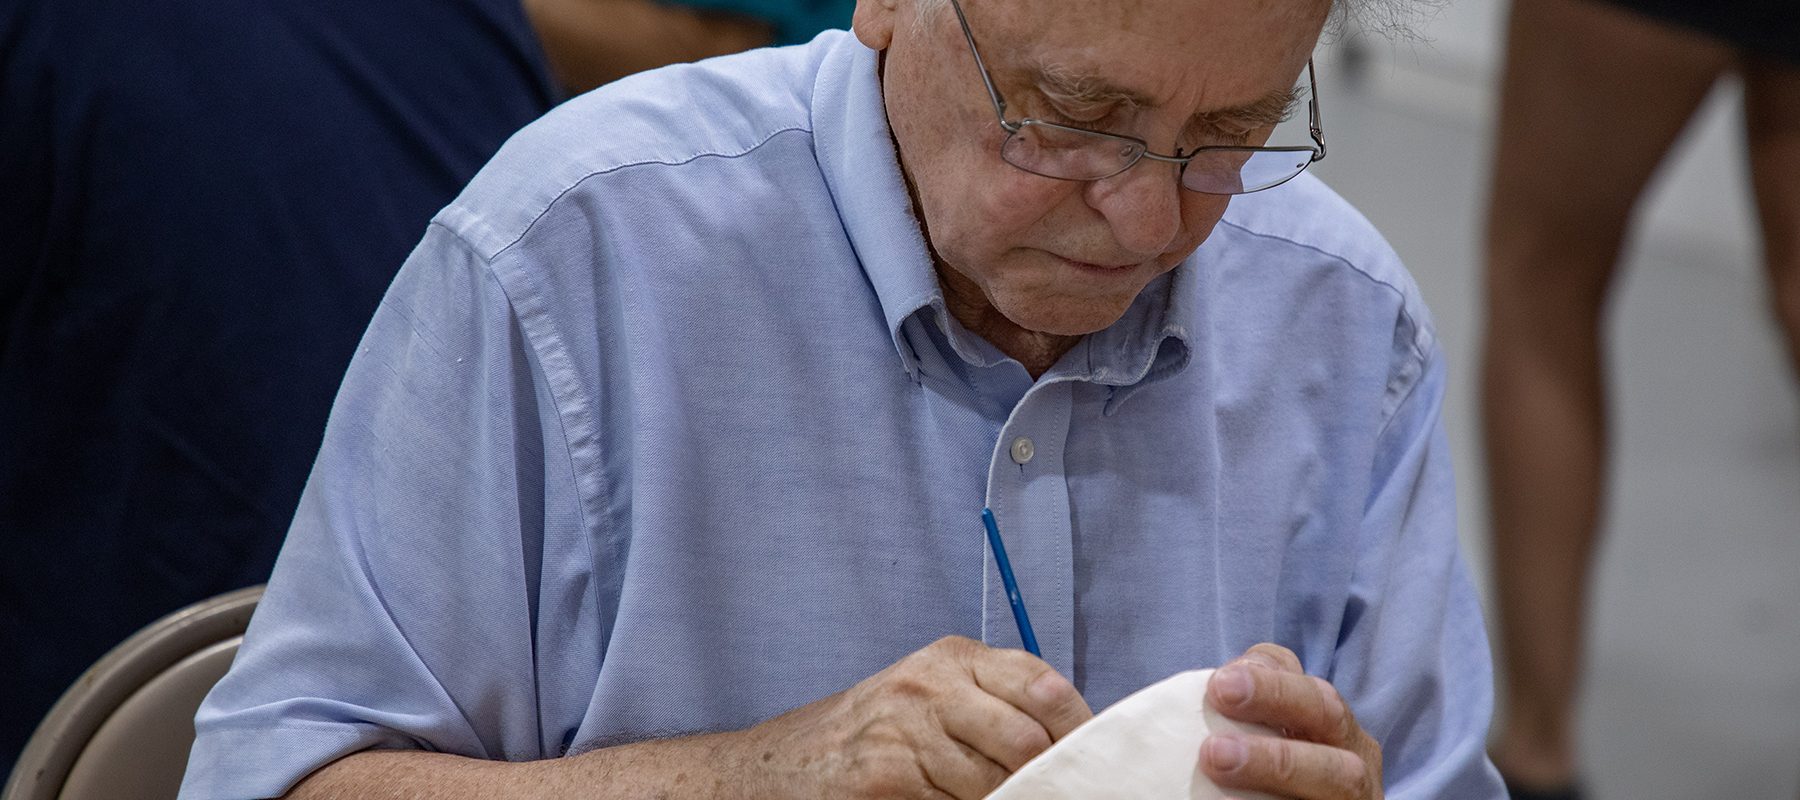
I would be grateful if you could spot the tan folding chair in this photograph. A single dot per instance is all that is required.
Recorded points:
(123, 731)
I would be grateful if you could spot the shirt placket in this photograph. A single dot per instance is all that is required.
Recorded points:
(1028, 491)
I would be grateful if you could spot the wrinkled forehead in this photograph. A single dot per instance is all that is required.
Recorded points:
(1171, 52)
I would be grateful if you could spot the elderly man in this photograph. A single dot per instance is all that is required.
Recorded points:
(660, 470)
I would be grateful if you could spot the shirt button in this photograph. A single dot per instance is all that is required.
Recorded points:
(1022, 450)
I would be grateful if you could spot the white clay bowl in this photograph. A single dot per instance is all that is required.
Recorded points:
(1145, 747)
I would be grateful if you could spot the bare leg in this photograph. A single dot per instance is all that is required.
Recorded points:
(1593, 98)
(1772, 122)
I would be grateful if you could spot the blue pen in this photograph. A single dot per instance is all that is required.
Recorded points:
(1012, 586)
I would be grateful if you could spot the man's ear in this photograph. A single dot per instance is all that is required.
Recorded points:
(874, 22)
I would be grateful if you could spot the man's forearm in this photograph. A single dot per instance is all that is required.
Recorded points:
(696, 767)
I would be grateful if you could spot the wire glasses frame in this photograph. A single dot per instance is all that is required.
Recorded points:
(1078, 154)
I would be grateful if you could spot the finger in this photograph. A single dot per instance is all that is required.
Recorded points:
(1337, 724)
(933, 792)
(1032, 686)
(1285, 767)
(1273, 656)
(956, 769)
(992, 727)
(1300, 705)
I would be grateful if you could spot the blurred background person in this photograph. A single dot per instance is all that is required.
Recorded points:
(203, 203)
(591, 42)
(1594, 94)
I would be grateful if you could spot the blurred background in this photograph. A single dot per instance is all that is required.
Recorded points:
(1693, 685)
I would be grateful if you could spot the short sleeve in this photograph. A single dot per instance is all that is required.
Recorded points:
(1413, 658)
(435, 532)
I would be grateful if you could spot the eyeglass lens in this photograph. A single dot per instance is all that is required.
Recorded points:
(1072, 154)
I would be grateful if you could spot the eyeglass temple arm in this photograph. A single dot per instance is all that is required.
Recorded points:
(1312, 112)
(981, 66)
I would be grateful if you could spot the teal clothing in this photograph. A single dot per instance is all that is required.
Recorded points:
(795, 21)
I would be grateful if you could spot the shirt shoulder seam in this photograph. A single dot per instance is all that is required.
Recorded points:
(544, 351)
(1417, 344)
(665, 162)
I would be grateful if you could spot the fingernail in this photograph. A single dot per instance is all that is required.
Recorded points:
(1226, 753)
(1233, 685)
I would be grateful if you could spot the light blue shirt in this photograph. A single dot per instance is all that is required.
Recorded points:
(663, 428)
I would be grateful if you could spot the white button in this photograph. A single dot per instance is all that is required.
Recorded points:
(1022, 450)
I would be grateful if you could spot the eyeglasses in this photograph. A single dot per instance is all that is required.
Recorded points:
(1077, 154)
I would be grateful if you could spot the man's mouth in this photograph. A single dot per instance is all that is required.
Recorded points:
(1104, 267)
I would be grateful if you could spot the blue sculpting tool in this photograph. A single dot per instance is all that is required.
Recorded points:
(1012, 586)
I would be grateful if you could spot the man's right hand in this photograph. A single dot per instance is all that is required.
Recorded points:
(951, 720)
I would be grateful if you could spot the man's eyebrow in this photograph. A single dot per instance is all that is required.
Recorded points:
(1066, 85)
(1061, 83)
(1271, 109)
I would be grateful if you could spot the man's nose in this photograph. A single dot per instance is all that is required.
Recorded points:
(1142, 205)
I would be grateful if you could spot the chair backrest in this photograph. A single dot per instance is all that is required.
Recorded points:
(123, 731)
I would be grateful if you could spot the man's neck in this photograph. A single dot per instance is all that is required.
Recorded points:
(1036, 351)
(966, 302)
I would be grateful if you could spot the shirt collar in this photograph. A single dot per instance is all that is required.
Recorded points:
(856, 156)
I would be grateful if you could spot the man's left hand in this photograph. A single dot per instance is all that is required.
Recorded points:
(1323, 754)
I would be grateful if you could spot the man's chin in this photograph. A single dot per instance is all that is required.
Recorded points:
(1064, 320)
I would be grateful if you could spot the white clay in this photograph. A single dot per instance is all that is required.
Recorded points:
(1145, 747)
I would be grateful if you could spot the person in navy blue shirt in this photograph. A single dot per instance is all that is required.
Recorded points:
(203, 204)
